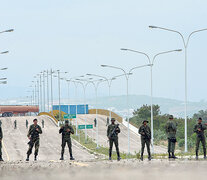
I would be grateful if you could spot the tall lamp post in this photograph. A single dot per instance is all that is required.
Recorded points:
(151, 62)
(185, 43)
(127, 89)
(84, 83)
(109, 83)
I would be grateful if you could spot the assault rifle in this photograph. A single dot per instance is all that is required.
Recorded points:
(113, 133)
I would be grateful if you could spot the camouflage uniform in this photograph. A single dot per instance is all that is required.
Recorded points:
(171, 128)
(43, 123)
(27, 123)
(35, 140)
(66, 139)
(1, 137)
(200, 138)
(145, 133)
(15, 124)
(113, 139)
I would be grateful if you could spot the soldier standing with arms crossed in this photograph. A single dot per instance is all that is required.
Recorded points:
(112, 133)
(145, 133)
(199, 130)
(171, 129)
(66, 130)
(1, 137)
(33, 135)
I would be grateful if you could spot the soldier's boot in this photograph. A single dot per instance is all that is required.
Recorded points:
(110, 153)
(204, 152)
(196, 155)
(169, 156)
(149, 157)
(35, 157)
(118, 156)
(62, 157)
(71, 155)
(27, 157)
(1, 159)
(173, 156)
(141, 158)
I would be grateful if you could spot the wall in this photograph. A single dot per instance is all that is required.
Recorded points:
(106, 113)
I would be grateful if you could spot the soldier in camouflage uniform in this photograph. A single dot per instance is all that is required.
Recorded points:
(66, 131)
(43, 123)
(1, 137)
(15, 124)
(112, 134)
(171, 129)
(145, 133)
(199, 130)
(33, 135)
(27, 123)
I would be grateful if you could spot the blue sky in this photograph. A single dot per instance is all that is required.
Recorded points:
(77, 36)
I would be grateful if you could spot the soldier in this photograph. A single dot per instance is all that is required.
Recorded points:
(107, 121)
(66, 130)
(1, 137)
(199, 130)
(145, 133)
(43, 123)
(33, 135)
(15, 124)
(112, 134)
(27, 123)
(95, 122)
(171, 128)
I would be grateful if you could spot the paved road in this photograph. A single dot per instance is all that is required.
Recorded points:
(102, 170)
(135, 142)
(15, 141)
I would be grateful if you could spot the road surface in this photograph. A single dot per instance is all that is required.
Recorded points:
(15, 141)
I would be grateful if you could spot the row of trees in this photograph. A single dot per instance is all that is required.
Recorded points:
(144, 113)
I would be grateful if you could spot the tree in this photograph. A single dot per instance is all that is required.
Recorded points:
(144, 112)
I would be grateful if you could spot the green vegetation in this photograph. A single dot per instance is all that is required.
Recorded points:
(143, 113)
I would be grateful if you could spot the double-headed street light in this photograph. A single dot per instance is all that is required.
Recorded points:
(84, 83)
(127, 80)
(109, 83)
(151, 62)
(185, 43)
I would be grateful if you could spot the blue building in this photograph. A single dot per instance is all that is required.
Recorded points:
(71, 109)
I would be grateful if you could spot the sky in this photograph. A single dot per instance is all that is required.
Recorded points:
(78, 36)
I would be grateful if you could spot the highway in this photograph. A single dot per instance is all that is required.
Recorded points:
(135, 141)
(15, 141)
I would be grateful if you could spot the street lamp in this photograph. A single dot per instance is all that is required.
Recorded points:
(3, 82)
(84, 83)
(127, 80)
(4, 52)
(2, 69)
(185, 43)
(9, 30)
(151, 61)
(109, 83)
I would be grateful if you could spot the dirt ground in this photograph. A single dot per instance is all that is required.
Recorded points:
(125, 169)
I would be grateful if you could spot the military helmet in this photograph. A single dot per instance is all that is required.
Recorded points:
(113, 119)
(145, 121)
(171, 117)
(66, 121)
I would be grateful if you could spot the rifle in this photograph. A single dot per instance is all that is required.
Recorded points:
(32, 134)
(114, 131)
